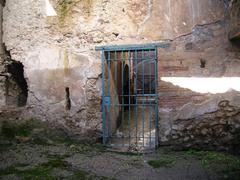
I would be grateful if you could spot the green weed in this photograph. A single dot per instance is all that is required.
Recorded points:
(161, 163)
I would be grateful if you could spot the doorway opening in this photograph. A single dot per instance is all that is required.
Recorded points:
(129, 92)
(16, 85)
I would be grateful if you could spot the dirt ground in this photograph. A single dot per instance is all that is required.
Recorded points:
(25, 155)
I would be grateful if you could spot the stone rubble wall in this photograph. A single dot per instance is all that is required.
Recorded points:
(219, 129)
(234, 16)
(58, 52)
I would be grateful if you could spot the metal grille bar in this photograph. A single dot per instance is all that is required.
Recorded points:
(150, 46)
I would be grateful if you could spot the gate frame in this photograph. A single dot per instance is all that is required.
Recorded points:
(106, 99)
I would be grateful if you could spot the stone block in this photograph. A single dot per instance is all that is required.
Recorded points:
(2, 91)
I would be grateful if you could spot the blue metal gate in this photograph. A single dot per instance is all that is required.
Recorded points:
(129, 96)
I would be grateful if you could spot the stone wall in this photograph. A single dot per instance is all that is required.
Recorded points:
(55, 42)
(2, 76)
(13, 86)
(234, 16)
(199, 91)
(214, 130)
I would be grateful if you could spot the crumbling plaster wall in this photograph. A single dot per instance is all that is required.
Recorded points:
(2, 77)
(234, 16)
(58, 52)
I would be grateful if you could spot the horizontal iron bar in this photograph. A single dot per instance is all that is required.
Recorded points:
(133, 47)
(146, 147)
(150, 104)
(132, 137)
(134, 59)
(143, 95)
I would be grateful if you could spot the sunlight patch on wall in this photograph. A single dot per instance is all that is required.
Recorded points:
(206, 85)
(49, 9)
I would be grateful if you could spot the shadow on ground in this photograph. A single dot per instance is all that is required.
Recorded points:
(32, 150)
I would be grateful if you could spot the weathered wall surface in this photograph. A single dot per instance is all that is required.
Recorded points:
(199, 91)
(234, 15)
(58, 52)
(2, 78)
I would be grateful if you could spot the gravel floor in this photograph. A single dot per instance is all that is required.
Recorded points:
(78, 161)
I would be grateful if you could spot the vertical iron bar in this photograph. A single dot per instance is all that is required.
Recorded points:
(103, 95)
(109, 123)
(116, 86)
(109, 69)
(150, 92)
(143, 118)
(129, 95)
(122, 108)
(156, 93)
(135, 100)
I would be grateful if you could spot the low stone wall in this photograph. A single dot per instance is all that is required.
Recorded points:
(215, 130)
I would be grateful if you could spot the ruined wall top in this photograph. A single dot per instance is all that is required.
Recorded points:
(76, 24)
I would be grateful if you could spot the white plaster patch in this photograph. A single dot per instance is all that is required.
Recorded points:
(206, 85)
(50, 11)
(43, 58)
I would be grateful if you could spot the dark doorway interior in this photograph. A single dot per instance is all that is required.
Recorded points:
(17, 88)
(126, 86)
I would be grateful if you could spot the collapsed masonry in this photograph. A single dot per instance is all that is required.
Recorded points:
(14, 89)
(55, 53)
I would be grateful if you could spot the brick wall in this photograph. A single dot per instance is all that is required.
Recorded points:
(202, 53)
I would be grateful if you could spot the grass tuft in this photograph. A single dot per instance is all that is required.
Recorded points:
(161, 163)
